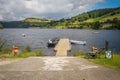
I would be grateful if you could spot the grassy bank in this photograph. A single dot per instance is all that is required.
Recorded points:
(23, 54)
(113, 63)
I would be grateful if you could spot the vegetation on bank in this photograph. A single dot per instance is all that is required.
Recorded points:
(24, 53)
(113, 63)
(7, 53)
(1, 26)
(108, 18)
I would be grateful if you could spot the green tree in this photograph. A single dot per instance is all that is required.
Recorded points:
(115, 20)
(116, 23)
(81, 27)
(1, 26)
(96, 25)
(108, 21)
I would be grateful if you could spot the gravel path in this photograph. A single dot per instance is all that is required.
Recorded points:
(56, 68)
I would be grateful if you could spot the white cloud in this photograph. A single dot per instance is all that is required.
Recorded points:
(53, 9)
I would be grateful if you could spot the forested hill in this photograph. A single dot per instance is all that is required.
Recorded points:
(26, 23)
(100, 14)
(108, 18)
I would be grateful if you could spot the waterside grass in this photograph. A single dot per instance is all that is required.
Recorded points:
(79, 54)
(23, 54)
(113, 63)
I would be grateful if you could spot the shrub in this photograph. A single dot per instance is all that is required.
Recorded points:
(1, 26)
(6, 51)
(96, 25)
(26, 49)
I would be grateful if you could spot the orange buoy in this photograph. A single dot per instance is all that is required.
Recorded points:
(15, 49)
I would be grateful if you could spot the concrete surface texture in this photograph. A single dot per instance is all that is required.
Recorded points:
(56, 68)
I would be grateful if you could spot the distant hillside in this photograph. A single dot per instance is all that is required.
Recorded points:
(99, 14)
(108, 18)
(104, 14)
(89, 19)
(26, 23)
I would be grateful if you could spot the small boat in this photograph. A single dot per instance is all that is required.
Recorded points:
(52, 42)
(78, 42)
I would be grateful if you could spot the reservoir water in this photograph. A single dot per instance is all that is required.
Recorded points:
(38, 38)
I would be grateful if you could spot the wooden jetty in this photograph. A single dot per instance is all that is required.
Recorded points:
(62, 47)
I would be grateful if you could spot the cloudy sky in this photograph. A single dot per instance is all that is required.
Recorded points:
(52, 9)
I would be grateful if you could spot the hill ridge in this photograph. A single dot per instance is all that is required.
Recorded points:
(86, 20)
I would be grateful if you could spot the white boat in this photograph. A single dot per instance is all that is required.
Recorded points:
(78, 42)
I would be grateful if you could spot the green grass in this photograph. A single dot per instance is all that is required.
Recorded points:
(23, 54)
(110, 17)
(103, 18)
(90, 20)
(79, 53)
(113, 63)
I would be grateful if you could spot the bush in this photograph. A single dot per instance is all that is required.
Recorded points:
(26, 49)
(6, 51)
(1, 26)
(96, 25)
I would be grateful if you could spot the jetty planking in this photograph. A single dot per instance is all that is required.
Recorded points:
(62, 47)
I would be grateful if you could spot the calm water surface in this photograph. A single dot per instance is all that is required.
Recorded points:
(38, 38)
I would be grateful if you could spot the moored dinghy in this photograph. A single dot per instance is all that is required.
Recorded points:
(78, 42)
(52, 42)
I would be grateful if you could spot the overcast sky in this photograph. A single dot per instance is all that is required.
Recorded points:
(52, 9)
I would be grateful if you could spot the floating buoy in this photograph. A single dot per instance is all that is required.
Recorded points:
(23, 35)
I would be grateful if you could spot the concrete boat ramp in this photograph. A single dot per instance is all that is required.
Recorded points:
(56, 68)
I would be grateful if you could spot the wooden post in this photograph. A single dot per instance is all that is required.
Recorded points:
(106, 45)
